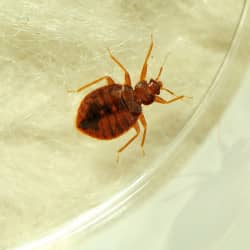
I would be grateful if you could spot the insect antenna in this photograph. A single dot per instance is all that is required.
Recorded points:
(159, 74)
(161, 68)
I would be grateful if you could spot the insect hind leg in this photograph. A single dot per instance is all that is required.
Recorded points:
(137, 129)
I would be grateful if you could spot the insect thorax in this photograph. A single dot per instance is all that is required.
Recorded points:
(129, 99)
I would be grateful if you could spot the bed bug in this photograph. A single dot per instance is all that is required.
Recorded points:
(113, 109)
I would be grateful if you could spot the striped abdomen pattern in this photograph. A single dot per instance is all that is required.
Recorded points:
(108, 112)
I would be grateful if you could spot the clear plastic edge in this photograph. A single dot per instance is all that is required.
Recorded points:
(111, 207)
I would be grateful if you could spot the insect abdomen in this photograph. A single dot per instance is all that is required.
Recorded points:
(103, 113)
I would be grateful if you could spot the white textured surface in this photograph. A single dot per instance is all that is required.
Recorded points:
(50, 173)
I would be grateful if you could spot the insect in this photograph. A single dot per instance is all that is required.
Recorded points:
(111, 110)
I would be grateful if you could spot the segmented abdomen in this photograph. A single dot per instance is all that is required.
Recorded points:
(104, 114)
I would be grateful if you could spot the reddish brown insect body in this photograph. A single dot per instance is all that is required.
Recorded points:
(111, 110)
(108, 112)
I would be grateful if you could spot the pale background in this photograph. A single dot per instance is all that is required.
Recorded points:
(51, 174)
(205, 207)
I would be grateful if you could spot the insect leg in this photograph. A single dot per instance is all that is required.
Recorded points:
(145, 65)
(161, 100)
(137, 129)
(144, 124)
(127, 76)
(107, 78)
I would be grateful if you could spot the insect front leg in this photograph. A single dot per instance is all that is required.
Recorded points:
(162, 101)
(107, 78)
